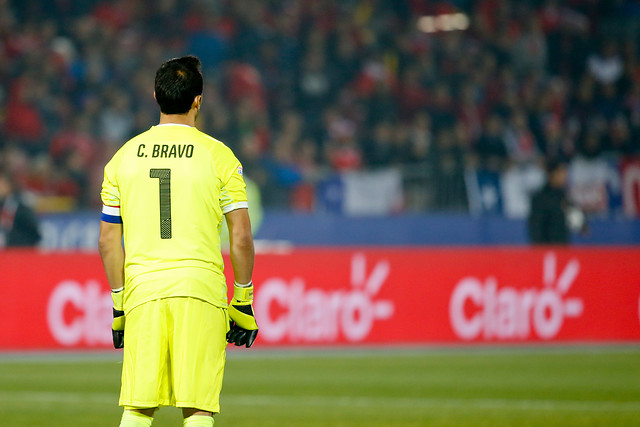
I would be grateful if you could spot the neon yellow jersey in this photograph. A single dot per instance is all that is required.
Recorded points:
(170, 187)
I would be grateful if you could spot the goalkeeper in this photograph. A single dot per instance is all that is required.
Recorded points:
(166, 191)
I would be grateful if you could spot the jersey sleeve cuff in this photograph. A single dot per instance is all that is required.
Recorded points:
(233, 206)
(111, 214)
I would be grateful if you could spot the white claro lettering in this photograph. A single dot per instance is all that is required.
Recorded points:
(79, 314)
(480, 309)
(288, 309)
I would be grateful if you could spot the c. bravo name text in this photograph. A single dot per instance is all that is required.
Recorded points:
(167, 150)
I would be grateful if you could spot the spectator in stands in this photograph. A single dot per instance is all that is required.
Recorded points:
(530, 49)
(116, 121)
(551, 217)
(378, 148)
(606, 65)
(420, 138)
(23, 121)
(490, 146)
(448, 171)
(18, 222)
(341, 148)
(520, 142)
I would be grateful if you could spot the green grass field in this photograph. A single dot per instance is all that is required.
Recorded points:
(582, 386)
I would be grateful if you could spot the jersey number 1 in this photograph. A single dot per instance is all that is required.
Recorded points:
(164, 183)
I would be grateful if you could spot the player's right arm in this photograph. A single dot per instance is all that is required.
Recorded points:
(244, 329)
(110, 247)
(241, 244)
(233, 203)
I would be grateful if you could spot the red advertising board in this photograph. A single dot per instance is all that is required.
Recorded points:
(356, 296)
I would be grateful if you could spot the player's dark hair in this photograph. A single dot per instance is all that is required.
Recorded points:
(178, 82)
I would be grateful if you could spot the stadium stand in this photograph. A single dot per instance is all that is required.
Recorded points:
(464, 110)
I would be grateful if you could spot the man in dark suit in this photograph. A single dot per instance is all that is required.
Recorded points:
(549, 206)
(18, 222)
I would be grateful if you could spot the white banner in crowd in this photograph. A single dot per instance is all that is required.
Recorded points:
(372, 193)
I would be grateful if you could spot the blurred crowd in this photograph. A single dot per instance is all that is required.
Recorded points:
(302, 88)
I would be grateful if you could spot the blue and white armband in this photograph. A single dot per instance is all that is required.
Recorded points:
(111, 214)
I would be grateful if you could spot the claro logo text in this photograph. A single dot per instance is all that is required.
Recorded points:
(481, 309)
(289, 310)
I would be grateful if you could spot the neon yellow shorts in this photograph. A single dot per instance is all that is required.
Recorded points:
(174, 354)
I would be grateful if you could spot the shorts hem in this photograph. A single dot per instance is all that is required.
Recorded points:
(203, 407)
(144, 405)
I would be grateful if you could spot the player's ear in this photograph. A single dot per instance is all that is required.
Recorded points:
(197, 102)
(154, 95)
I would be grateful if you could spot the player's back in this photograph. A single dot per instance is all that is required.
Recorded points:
(171, 181)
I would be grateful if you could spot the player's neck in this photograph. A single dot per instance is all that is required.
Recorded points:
(188, 119)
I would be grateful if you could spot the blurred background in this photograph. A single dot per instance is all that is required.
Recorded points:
(437, 114)
(401, 158)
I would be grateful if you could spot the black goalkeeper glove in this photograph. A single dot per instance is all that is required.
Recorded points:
(243, 328)
(117, 327)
